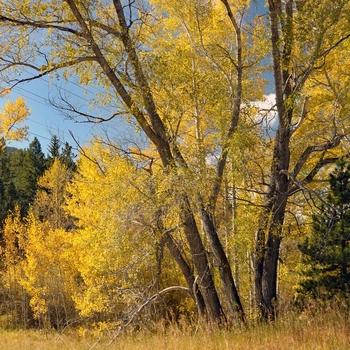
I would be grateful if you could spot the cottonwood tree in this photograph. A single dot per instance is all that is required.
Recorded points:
(101, 39)
(216, 51)
(303, 34)
(119, 248)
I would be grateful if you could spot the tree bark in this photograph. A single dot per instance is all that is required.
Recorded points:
(201, 263)
(187, 272)
(221, 261)
(269, 234)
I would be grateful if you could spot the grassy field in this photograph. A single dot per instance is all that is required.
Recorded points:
(326, 330)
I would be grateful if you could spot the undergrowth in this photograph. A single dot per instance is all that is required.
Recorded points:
(311, 329)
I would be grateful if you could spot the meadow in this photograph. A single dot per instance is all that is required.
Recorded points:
(321, 330)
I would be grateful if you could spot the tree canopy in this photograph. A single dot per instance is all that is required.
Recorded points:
(220, 171)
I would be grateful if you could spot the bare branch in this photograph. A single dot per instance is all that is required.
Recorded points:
(302, 116)
(74, 110)
(316, 148)
(40, 24)
(301, 187)
(150, 300)
(44, 69)
(83, 153)
(310, 177)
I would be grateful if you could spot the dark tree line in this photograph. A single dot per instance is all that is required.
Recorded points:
(20, 170)
(326, 251)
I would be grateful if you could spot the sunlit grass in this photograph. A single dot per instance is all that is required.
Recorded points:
(328, 329)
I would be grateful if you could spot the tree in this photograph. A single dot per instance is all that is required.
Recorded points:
(64, 154)
(67, 157)
(26, 166)
(14, 299)
(54, 150)
(48, 205)
(326, 253)
(297, 57)
(119, 249)
(12, 114)
(37, 158)
(50, 275)
(208, 56)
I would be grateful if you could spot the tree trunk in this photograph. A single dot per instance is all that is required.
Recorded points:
(201, 263)
(269, 234)
(267, 248)
(231, 293)
(187, 272)
(258, 261)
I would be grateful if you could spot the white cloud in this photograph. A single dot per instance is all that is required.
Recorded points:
(267, 114)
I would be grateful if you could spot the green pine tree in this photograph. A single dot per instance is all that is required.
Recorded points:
(26, 166)
(54, 150)
(326, 252)
(67, 157)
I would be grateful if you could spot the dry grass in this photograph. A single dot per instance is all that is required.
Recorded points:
(326, 330)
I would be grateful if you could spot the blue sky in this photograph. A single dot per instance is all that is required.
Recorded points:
(46, 120)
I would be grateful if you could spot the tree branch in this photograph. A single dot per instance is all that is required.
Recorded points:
(310, 177)
(237, 100)
(159, 136)
(316, 148)
(89, 117)
(150, 300)
(45, 70)
(302, 116)
(40, 24)
(82, 152)
(115, 81)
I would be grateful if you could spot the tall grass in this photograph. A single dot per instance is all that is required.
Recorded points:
(311, 330)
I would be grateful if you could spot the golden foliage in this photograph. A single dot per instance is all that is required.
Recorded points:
(12, 114)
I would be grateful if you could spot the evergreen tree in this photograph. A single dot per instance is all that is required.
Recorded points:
(36, 158)
(8, 193)
(326, 252)
(26, 166)
(3, 212)
(67, 157)
(54, 150)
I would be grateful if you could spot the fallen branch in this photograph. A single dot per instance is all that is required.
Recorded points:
(141, 307)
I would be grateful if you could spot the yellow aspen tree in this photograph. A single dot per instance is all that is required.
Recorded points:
(50, 198)
(15, 299)
(116, 247)
(12, 114)
(50, 274)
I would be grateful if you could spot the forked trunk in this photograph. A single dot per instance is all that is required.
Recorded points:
(187, 272)
(201, 263)
(221, 261)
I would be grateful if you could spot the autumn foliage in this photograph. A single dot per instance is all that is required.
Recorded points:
(233, 116)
